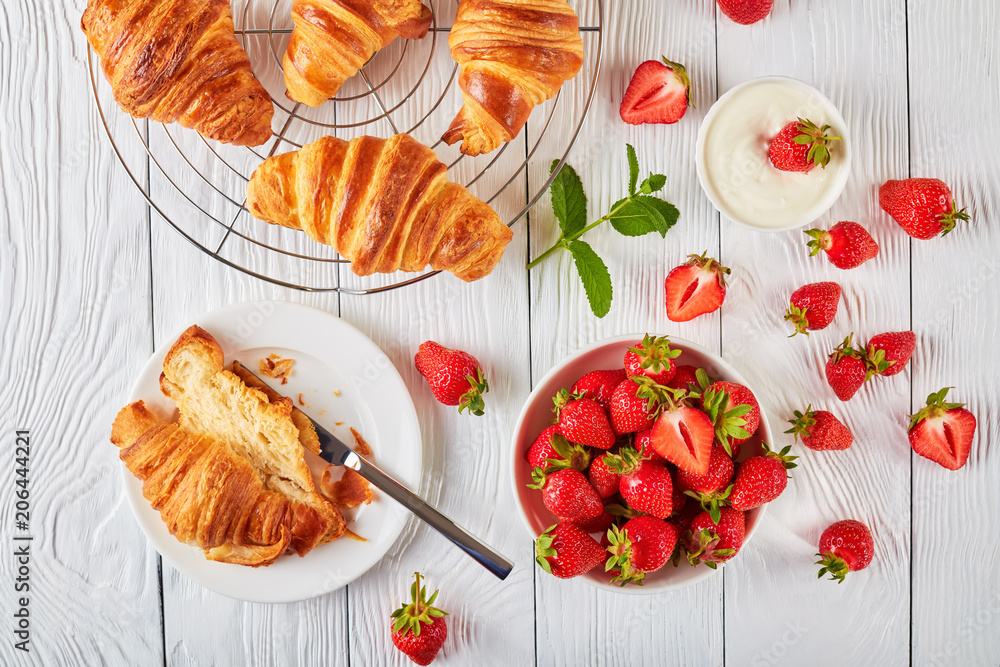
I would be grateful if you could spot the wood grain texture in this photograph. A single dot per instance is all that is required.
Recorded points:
(682, 627)
(956, 604)
(74, 309)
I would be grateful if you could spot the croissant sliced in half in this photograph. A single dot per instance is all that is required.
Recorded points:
(179, 61)
(332, 39)
(384, 204)
(513, 55)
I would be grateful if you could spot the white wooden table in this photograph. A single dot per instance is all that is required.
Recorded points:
(92, 282)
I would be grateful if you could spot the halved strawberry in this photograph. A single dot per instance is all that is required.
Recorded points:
(683, 436)
(695, 288)
(942, 431)
(658, 93)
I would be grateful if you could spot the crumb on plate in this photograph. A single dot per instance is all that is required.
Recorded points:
(273, 366)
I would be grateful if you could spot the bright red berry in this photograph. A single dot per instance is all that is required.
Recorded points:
(746, 12)
(652, 358)
(599, 385)
(603, 479)
(800, 146)
(455, 377)
(812, 307)
(888, 353)
(567, 493)
(923, 207)
(566, 551)
(820, 430)
(715, 539)
(847, 244)
(760, 479)
(419, 629)
(695, 288)
(644, 544)
(942, 431)
(584, 422)
(659, 92)
(846, 546)
(846, 370)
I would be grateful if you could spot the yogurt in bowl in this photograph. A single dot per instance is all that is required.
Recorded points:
(732, 161)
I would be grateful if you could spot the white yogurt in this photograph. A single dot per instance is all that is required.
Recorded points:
(732, 161)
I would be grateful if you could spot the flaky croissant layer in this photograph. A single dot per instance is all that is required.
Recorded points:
(385, 204)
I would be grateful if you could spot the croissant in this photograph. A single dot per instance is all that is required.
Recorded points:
(206, 495)
(384, 204)
(513, 55)
(179, 61)
(332, 39)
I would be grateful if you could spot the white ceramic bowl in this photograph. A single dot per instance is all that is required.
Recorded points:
(537, 414)
(751, 123)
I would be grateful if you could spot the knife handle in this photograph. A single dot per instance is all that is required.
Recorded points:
(482, 553)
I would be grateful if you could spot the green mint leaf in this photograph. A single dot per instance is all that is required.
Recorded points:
(665, 211)
(594, 275)
(633, 168)
(569, 201)
(654, 183)
(633, 218)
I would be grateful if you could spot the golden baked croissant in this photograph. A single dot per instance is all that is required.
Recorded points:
(332, 39)
(513, 55)
(179, 61)
(206, 495)
(384, 204)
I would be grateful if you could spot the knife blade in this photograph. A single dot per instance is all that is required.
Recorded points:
(334, 450)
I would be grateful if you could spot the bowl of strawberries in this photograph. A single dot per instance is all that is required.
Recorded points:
(641, 464)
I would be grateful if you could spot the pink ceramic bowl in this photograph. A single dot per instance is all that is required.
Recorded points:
(537, 414)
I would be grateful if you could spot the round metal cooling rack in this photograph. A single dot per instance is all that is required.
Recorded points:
(221, 172)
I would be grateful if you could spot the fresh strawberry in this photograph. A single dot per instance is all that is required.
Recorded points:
(567, 493)
(683, 435)
(694, 288)
(644, 445)
(847, 244)
(712, 489)
(583, 421)
(633, 407)
(943, 432)
(684, 377)
(418, 628)
(658, 93)
(846, 370)
(552, 449)
(923, 207)
(599, 524)
(800, 146)
(820, 430)
(888, 353)
(746, 12)
(846, 546)
(713, 540)
(599, 385)
(603, 479)
(762, 478)
(566, 551)
(644, 544)
(734, 412)
(652, 358)
(812, 307)
(645, 485)
(455, 377)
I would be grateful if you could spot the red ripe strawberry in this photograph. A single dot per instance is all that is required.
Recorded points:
(566, 551)
(800, 146)
(644, 445)
(760, 479)
(847, 244)
(683, 436)
(923, 207)
(813, 306)
(658, 93)
(746, 12)
(599, 385)
(552, 450)
(567, 493)
(541, 449)
(695, 288)
(715, 539)
(943, 432)
(888, 353)
(733, 411)
(820, 430)
(846, 546)
(646, 486)
(720, 472)
(419, 629)
(846, 370)
(684, 377)
(603, 479)
(455, 377)
(634, 405)
(644, 544)
(652, 358)
(599, 524)
(584, 422)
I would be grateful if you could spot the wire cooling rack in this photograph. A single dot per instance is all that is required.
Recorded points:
(198, 186)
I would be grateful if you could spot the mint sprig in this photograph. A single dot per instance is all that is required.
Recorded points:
(637, 214)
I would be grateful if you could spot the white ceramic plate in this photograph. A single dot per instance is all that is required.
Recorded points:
(330, 356)
(537, 414)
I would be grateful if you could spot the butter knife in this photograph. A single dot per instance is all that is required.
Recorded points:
(335, 451)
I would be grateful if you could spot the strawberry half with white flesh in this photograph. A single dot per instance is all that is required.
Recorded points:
(659, 92)
(683, 435)
(695, 288)
(942, 431)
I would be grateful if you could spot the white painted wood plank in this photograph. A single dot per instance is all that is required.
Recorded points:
(75, 312)
(576, 623)
(954, 94)
(777, 611)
